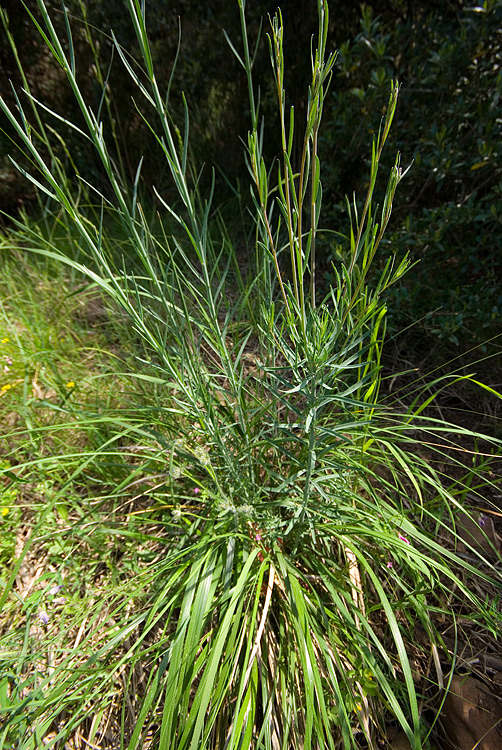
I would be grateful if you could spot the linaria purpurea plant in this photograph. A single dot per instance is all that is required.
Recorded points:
(298, 553)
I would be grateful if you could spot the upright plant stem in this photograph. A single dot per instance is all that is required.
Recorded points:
(313, 221)
(277, 32)
(248, 66)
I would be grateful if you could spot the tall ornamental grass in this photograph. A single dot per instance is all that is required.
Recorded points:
(300, 557)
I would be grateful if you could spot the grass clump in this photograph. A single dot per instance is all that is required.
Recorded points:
(278, 534)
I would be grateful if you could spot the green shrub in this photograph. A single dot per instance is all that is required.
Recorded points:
(448, 129)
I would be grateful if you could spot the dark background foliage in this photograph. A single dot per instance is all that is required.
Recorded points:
(447, 57)
(448, 127)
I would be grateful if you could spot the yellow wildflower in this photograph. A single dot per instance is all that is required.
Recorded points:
(5, 511)
(5, 340)
(70, 384)
(6, 387)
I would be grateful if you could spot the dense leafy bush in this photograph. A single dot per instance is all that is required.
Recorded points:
(449, 129)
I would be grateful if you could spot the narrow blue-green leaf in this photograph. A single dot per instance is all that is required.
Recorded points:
(291, 130)
(32, 179)
(70, 38)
